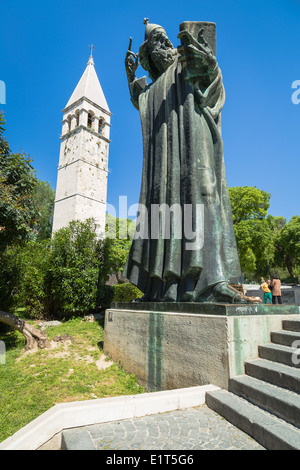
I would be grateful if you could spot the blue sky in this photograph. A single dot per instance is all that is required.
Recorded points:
(45, 48)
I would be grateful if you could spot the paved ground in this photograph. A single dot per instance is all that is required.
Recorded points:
(192, 429)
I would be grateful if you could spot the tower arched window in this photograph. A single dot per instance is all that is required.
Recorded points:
(90, 119)
(101, 125)
(77, 118)
(69, 123)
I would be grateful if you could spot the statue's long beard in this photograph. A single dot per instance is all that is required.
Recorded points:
(163, 58)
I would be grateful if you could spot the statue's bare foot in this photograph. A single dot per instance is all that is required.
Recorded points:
(223, 292)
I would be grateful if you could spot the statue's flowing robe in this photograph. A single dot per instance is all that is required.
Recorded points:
(183, 165)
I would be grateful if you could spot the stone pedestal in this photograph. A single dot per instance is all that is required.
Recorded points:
(176, 345)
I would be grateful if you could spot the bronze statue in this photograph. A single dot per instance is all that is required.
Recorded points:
(183, 166)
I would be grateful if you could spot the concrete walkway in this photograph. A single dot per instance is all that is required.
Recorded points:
(168, 420)
(198, 428)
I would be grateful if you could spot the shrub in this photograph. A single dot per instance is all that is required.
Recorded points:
(75, 269)
(126, 292)
(33, 290)
(64, 276)
(23, 279)
(9, 278)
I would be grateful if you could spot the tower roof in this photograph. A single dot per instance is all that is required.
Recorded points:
(89, 87)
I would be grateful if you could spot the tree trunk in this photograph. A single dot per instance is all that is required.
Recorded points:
(34, 338)
(289, 266)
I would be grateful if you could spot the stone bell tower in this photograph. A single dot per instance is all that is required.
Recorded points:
(83, 161)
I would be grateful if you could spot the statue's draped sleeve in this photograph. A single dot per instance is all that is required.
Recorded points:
(136, 86)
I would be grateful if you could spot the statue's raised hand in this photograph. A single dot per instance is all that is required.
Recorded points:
(131, 61)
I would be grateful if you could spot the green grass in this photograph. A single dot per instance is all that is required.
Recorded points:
(33, 382)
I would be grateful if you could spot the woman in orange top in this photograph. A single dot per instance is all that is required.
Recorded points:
(276, 289)
(267, 292)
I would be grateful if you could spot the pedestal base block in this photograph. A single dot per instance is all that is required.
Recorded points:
(169, 346)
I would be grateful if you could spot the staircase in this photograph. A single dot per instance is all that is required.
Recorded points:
(265, 402)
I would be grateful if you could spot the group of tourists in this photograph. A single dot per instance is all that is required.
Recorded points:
(272, 290)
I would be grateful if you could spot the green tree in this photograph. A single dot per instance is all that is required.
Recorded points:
(74, 268)
(115, 249)
(55, 277)
(288, 245)
(279, 223)
(23, 278)
(62, 276)
(43, 197)
(17, 183)
(248, 203)
(254, 230)
(117, 243)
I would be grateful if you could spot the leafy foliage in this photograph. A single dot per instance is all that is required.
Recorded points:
(288, 245)
(126, 292)
(22, 278)
(248, 203)
(64, 276)
(117, 243)
(54, 277)
(17, 182)
(43, 198)
(74, 268)
(254, 231)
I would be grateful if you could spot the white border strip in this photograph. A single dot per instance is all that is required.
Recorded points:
(84, 413)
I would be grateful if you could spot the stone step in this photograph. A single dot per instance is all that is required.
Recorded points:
(286, 338)
(281, 402)
(271, 432)
(279, 353)
(292, 325)
(76, 439)
(274, 373)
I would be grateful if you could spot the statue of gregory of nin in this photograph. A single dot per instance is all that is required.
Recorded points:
(183, 169)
